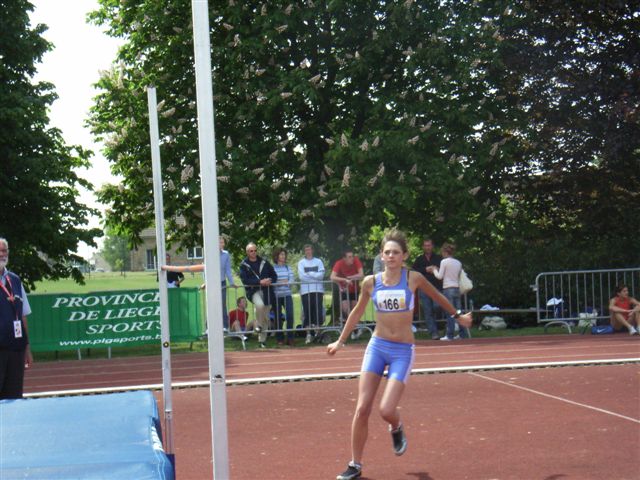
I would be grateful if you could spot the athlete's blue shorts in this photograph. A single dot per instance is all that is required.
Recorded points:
(398, 356)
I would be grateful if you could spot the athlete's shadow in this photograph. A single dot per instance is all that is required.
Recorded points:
(420, 475)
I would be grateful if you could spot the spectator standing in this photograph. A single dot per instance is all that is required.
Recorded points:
(174, 279)
(15, 352)
(284, 298)
(449, 273)
(378, 264)
(258, 276)
(624, 310)
(311, 275)
(421, 265)
(347, 273)
(225, 276)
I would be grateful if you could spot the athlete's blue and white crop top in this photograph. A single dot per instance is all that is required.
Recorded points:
(392, 298)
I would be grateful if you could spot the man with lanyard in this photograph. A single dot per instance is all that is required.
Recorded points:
(15, 353)
(421, 265)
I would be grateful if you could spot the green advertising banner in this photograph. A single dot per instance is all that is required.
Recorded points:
(108, 319)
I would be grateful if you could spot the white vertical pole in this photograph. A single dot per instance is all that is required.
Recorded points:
(162, 275)
(206, 143)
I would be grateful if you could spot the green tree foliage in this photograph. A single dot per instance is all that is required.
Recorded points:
(463, 120)
(40, 215)
(330, 117)
(572, 68)
(116, 252)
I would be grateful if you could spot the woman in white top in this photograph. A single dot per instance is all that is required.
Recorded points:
(449, 273)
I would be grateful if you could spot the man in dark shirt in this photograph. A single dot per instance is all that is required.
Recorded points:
(258, 275)
(427, 259)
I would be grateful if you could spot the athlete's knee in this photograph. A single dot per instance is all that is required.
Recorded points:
(363, 410)
(388, 412)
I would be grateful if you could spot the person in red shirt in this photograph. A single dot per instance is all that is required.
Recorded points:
(239, 317)
(347, 273)
(624, 310)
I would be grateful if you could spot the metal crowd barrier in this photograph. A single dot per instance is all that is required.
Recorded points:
(577, 297)
(325, 330)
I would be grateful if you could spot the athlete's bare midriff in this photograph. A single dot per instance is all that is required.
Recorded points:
(395, 326)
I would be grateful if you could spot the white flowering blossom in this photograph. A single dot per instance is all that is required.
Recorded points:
(187, 174)
(376, 142)
(343, 140)
(346, 176)
(331, 203)
(243, 190)
(284, 197)
(364, 146)
(414, 140)
(474, 190)
(315, 79)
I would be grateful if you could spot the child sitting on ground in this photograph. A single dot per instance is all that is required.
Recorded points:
(238, 318)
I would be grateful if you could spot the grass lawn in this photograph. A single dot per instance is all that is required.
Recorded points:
(109, 281)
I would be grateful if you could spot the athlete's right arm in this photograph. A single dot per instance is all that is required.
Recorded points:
(354, 316)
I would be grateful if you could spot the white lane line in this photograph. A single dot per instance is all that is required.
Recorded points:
(601, 410)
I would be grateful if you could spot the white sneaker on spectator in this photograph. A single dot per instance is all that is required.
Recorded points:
(633, 331)
(308, 339)
(445, 339)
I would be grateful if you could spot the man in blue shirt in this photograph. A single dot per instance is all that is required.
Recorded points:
(15, 353)
(225, 275)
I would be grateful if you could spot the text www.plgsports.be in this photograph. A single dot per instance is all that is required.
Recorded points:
(107, 341)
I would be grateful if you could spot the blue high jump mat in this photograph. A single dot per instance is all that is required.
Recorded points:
(115, 436)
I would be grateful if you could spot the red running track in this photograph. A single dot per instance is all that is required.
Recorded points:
(260, 364)
(565, 423)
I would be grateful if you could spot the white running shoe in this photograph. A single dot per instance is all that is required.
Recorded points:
(633, 331)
